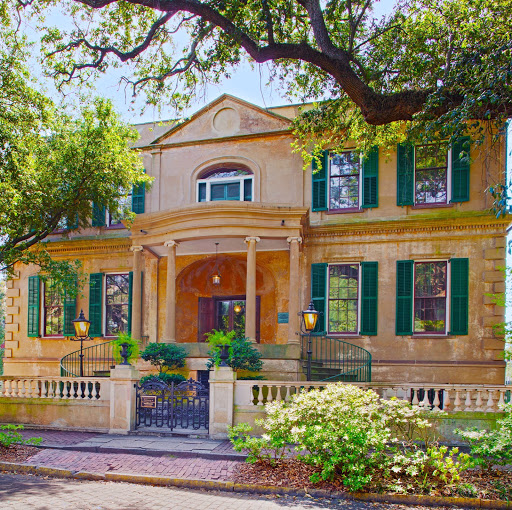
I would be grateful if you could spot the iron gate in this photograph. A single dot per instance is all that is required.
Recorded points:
(177, 406)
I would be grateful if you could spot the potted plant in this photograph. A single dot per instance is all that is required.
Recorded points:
(125, 346)
(220, 343)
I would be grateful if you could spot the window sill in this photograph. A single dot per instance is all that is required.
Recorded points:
(432, 206)
(345, 211)
(117, 226)
(431, 337)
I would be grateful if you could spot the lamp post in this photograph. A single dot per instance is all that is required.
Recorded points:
(309, 318)
(81, 325)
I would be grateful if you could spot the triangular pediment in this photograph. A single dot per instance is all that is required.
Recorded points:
(225, 117)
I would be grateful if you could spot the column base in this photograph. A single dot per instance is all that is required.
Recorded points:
(169, 340)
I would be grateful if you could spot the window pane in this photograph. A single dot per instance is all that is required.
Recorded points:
(53, 309)
(226, 173)
(202, 192)
(217, 192)
(430, 297)
(431, 174)
(344, 181)
(248, 190)
(125, 205)
(233, 191)
(117, 288)
(343, 298)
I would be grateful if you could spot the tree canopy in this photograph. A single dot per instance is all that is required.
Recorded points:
(434, 65)
(54, 165)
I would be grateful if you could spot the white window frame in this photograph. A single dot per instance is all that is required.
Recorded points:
(43, 334)
(359, 184)
(358, 328)
(226, 180)
(108, 217)
(448, 179)
(448, 297)
(104, 304)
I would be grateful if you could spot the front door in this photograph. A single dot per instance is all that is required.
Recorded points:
(230, 316)
(224, 313)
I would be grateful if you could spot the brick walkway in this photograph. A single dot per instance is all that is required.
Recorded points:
(166, 465)
(59, 437)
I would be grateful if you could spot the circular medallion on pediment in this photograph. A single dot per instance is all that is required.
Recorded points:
(226, 121)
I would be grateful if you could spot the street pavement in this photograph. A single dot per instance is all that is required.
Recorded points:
(26, 492)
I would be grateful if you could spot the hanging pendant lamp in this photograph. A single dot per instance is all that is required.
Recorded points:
(216, 273)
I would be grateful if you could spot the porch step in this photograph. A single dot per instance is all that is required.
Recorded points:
(161, 432)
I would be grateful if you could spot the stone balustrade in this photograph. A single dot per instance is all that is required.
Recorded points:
(60, 388)
(446, 397)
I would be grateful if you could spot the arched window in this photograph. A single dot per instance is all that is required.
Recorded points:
(226, 184)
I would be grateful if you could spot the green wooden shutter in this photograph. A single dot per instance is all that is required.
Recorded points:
(95, 304)
(319, 185)
(139, 198)
(72, 223)
(130, 301)
(33, 306)
(404, 296)
(369, 301)
(69, 314)
(318, 294)
(98, 215)
(459, 296)
(371, 179)
(405, 174)
(460, 169)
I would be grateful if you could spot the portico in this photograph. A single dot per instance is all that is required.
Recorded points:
(256, 245)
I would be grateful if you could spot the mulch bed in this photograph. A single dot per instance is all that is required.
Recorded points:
(17, 453)
(293, 473)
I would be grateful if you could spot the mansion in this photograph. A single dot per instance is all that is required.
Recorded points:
(397, 250)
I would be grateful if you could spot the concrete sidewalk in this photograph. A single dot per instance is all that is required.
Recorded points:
(147, 445)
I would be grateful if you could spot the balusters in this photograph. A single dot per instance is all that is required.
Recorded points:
(479, 402)
(457, 403)
(415, 401)
(446, 400)
(436, 400)
(468, 402)
(490, 401)
(260, 394)
(425, 404)
(501, 401)
(96, 393)
(44, 389)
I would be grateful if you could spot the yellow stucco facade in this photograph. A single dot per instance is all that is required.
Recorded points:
(266, 248)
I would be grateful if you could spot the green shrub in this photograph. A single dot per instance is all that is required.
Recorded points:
(467, 490)
(165, 377)
(242, 355)
(165, 356)
(11, 436)
(491, 448)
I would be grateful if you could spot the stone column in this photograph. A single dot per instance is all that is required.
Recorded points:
(170, 307)
(137, 293)
(222, 388)
(293, 299)
(122, 399)
(250, 289)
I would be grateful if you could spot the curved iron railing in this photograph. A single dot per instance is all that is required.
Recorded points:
(334, 360)
(98, 359)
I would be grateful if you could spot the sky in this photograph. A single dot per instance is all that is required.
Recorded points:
(248, 83)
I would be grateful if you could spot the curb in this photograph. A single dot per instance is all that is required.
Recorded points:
(253, 489)
(149, 453)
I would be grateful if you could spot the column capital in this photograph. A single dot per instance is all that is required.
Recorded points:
(171, 243)
(294, 240)
(136, 248)
(252, 238)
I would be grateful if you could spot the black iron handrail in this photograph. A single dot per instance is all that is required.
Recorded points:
(98, 359)
(334, 360)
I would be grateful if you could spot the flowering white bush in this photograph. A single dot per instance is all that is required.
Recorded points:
(352, 434)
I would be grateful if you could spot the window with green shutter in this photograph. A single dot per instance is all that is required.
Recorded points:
(404, 296)
(460, 169)
(98, 215)
(319, 183)
(69, 313)
(371, 180)
(369, 297)
(318, 293)
(138, 198)
(459, 296)
(95, 304)
(405, 174)
(33, 306)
